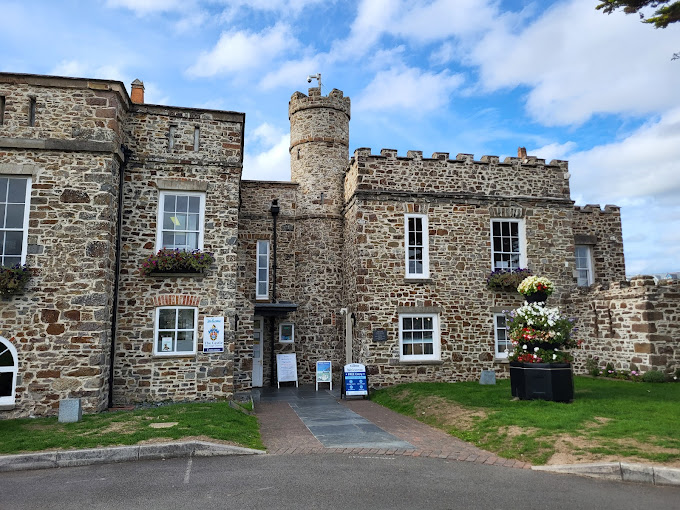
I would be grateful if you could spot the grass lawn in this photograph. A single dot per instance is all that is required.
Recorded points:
(210, 420)
(608, 420)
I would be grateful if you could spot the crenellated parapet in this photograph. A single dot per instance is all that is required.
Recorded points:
(528, 177)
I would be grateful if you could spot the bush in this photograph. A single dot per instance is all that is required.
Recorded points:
(654, 376)
(13, 279)
(505, 279)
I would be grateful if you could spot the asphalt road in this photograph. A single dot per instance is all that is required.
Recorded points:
(318, 482)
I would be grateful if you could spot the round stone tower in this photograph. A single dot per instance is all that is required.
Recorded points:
(319, 156)
(319, 148)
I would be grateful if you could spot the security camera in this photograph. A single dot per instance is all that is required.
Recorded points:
(309, 79)
(316, 76)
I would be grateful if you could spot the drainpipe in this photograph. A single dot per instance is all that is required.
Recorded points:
(116, 276)
(274, 209)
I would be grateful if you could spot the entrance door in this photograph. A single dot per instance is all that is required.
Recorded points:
(257, 352)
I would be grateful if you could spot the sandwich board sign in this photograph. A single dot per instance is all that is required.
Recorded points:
(286, 368)
(323, 373)
(355, 381)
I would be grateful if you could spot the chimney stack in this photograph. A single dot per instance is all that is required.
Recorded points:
(521, 152)
(137, 95)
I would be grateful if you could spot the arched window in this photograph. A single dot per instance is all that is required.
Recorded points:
(8, 372)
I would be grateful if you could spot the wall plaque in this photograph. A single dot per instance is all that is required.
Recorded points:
(380, 335)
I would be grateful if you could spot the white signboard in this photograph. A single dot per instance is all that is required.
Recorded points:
(286, 368)
(213, 334)
(323, 373)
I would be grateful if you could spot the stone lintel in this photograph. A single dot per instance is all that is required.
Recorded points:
(57, 144)
(182, 185)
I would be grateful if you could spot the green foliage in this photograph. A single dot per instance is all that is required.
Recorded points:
(592, 366)
(13, 279)
(663, 16)
(215, 420)
(505, 279)
(177, 261)
(609, 415)
(654, 376)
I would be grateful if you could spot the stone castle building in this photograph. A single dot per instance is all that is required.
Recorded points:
(378, 259)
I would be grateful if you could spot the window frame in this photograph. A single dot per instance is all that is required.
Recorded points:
(159, 217)
(425, 246)
(6, 345)
(589, 268)
(436, 341)
(521, 234)
(157, 330)
(258, 281)
(27, 207)
(497, 353)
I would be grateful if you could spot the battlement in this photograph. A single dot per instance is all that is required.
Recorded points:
(527, 161)
(335, 100)
(527, 176)
(595, 208)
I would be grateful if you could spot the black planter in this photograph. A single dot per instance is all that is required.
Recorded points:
(542, 381)
(537, 297)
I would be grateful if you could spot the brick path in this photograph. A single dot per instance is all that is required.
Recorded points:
(283, 433)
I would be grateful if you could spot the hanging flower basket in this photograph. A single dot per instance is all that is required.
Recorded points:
(13, 279)
(177, 261)
(536, 289)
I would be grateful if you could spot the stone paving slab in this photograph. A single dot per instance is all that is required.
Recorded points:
(284, 433)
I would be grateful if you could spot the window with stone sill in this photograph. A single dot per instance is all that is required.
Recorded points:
(175, 331)
(507, 244)
(584, 265)
(502, 343)
(8, 372)
(419, 337)
(416, 244)
(15, 196)
(180, 221)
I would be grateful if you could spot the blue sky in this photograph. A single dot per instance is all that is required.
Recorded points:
(471, 76)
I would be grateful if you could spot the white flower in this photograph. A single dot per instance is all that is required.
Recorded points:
(524, 347)
(554, 356)
(535, 349)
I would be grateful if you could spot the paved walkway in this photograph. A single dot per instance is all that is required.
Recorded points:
(303, 421)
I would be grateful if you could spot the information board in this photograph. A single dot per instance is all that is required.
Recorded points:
(323, 373)
(213, 334)
(286, 368)
(355, 379)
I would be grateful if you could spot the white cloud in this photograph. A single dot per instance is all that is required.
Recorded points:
(79, 69)
(646, 163)
(242, 50)
(291, 73)
(272, 162)
(553, 151)
(579, 62)
(408, 88)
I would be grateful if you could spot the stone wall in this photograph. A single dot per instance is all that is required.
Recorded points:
(601, 229)
(214, 169)
(486, 178)
(459, 197)
(62, 322)
(255, 223)
(630, 323)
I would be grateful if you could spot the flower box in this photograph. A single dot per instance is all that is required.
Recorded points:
(542, 381)
(177, 263)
